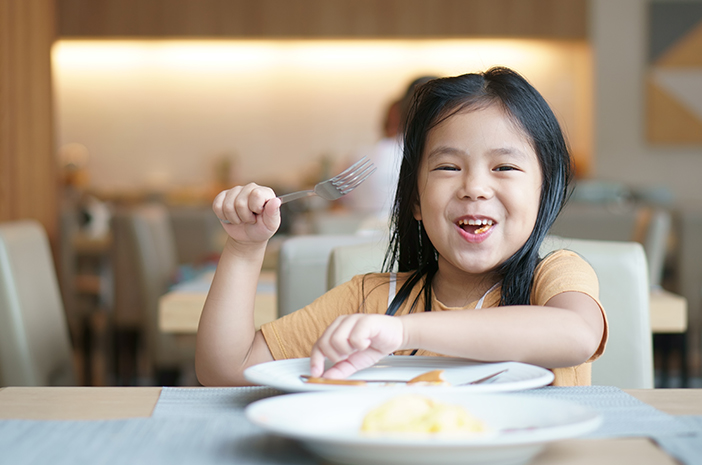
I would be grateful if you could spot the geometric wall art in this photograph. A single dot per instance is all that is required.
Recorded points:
(674, 75)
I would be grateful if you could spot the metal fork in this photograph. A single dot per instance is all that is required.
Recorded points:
(336, 187)
(339, 185)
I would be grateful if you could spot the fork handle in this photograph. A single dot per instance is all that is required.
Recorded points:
(294, 196)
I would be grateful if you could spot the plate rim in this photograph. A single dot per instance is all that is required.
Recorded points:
(256, 374)
(557, 432)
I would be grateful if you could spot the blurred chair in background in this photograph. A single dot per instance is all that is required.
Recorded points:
(302, 267)
(35, 347)
(605, 211)
(85, 278)
(197, 233)
(624, 292)
(657, 230)
(347, 261)
(144, 235)
(127, 314)
(170, 357)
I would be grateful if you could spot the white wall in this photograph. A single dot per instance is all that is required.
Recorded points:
(621, 152)
(155, 113)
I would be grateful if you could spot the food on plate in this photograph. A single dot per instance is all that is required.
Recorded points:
(413, 413)
(431, 378)
(339, 382)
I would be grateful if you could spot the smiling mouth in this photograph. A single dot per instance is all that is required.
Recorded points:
(475, 226)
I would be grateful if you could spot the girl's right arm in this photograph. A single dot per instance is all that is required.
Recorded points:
(227, 341)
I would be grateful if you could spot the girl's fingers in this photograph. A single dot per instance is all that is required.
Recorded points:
(247, 205)
(322, 349)
(316, 362)
(243, 201)
(355, 342)
(271, 213)
(258, 198)
(223, 205)
(345, 336)
(355, 362)
(348, 337)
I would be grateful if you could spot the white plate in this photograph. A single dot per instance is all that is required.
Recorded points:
(285, 374)
(328, 423)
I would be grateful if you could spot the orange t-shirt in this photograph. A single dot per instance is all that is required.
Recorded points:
(293, 335)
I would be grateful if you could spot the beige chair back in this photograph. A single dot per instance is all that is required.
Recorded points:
(624, 293)
(302, 267)
(145, 262)
(35, 348)
(156, 262)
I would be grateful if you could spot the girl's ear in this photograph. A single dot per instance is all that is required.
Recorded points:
(417, 210)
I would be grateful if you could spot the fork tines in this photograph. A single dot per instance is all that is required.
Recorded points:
(350, 178)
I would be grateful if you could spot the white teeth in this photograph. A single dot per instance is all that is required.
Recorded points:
(472, 222)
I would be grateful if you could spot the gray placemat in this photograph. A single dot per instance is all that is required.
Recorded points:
(622, 414)
(150, 441)
(687, 448)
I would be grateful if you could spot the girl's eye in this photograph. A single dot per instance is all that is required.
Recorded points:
(446, 168)
(506, 168)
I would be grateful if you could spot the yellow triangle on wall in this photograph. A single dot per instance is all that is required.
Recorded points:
(687, 52)
(669, 121)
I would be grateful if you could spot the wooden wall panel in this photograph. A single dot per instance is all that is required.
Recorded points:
(28, 175)
(564, 19)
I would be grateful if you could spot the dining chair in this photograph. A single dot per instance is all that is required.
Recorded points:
(35, 346)
(622, 270)
(302, 267)
(144, 235)
(196, 233)
(624, 293)
(657, 238)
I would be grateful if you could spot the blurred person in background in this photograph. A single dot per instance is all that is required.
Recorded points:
(376, 197)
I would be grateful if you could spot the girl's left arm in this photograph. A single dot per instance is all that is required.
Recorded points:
(566, 331)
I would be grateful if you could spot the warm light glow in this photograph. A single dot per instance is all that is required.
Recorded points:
(461, 55)
(165, 109)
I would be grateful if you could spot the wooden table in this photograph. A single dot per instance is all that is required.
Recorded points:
(668, 312)
(90, 403)
(179, 311)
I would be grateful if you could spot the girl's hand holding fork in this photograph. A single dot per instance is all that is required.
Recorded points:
(251, 212)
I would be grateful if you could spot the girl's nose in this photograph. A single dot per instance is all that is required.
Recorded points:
(476, 186)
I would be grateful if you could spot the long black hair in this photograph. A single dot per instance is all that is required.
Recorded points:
(410, 248)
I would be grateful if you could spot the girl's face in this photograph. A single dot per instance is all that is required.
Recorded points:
(479, 190)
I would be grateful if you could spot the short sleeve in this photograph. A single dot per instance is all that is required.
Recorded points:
(566, 271)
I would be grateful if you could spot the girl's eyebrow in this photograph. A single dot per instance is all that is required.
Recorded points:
(448, 150)
(445, 150)
(513, 151)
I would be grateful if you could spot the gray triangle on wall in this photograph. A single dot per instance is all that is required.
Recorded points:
(668, 23)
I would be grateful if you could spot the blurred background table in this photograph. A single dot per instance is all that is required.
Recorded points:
(180, 309)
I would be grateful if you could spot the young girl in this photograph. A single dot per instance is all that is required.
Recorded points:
(484, 175)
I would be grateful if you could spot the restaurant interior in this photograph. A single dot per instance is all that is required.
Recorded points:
(121, 120)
